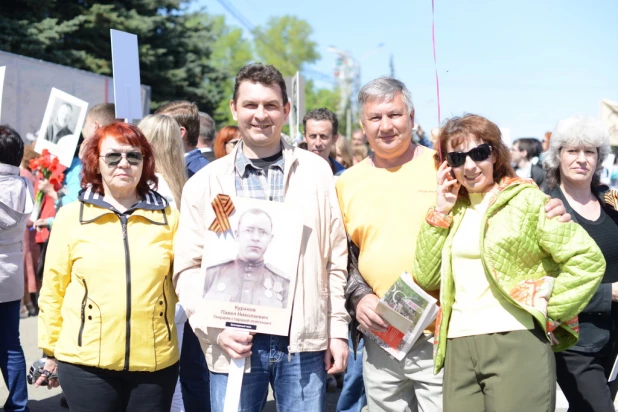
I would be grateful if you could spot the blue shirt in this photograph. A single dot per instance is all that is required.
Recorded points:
(72, 182)
(336, 167)
(195, 161)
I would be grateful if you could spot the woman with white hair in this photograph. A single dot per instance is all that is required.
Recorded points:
(577, 149)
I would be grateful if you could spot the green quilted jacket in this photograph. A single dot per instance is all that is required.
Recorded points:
(548, 268)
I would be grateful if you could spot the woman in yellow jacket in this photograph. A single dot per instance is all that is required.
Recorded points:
(107, 303)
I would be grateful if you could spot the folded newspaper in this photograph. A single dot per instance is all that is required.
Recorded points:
(409, 310)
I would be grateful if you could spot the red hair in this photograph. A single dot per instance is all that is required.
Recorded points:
(126, 134)
(459, 129)
(225, 135)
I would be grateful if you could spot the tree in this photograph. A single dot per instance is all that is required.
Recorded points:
(329, 98)
(285, 44)
(316, 98)
(174, 44)
(230, 52)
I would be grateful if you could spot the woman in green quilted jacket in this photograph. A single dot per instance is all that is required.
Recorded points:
(511, 280)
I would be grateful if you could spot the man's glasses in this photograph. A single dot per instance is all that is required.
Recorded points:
(114, 158)
(233, 142)
(478, 154)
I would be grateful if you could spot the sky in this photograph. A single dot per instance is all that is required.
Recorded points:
(522, 64)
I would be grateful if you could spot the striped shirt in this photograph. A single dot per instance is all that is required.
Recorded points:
(253, 182)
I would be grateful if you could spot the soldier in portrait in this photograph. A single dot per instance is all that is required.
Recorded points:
(59, 126)
(247, 279)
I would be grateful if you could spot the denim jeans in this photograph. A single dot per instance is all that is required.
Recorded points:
(298, 380)
(353, 397)
(12, 360)
(194, 376)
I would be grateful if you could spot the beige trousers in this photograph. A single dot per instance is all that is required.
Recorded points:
(408, 385)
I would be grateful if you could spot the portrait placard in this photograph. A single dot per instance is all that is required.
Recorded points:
(249, 270)
(125, 64)
(2, 71)
(62, 124)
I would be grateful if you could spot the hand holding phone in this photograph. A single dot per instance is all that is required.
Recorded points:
(448, 188)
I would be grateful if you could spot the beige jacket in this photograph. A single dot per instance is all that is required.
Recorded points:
(319, 303)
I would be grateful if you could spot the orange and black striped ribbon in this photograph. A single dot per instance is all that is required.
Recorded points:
(223, 207)
(611, 198)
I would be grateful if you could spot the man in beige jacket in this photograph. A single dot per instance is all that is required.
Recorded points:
(263, 166)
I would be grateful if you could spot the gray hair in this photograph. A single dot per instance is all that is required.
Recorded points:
(207, 128)
(384, 89)
(573, 131)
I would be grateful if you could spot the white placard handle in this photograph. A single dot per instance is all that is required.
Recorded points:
(234, 385)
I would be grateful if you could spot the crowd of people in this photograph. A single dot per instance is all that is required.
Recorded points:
(519, 244)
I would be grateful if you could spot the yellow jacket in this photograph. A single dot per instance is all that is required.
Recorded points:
(107, 299)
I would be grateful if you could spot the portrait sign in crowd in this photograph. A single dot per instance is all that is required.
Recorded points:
(62, 123)
(249, 266)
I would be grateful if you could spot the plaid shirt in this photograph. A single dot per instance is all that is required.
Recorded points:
(252, 181)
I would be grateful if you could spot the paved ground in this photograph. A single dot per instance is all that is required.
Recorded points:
(44, 400)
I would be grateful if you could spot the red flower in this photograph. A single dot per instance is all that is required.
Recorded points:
(56, 177)
(45, 162)
(48, 167)
(34, 164)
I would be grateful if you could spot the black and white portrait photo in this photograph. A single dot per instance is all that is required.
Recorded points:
(249, 271)
(62, 124)
(248, 278)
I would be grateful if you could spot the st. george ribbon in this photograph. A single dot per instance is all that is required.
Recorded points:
(223, 208)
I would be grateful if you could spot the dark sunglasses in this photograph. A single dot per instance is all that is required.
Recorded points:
(478, 154)
(114, 158)
(233, 142)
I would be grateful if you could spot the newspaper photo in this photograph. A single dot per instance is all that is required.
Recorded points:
(409, 310)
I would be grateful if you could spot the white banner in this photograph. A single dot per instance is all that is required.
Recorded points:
(609, 117)
(125, 63)
(2, 71)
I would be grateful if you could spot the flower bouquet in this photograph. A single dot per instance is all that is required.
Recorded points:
(47, 167)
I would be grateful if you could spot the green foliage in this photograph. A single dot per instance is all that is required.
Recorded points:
(183, 55)
(329, 98)
(175, 45)
(285, 44)
(316, 98)
(230, 52)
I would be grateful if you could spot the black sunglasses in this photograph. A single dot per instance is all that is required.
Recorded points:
(478, 154)
(114, 158)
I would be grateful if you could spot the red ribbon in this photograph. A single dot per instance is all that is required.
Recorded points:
(435, 64)
(223, 207)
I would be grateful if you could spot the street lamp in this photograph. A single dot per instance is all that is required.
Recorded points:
(348, 71)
